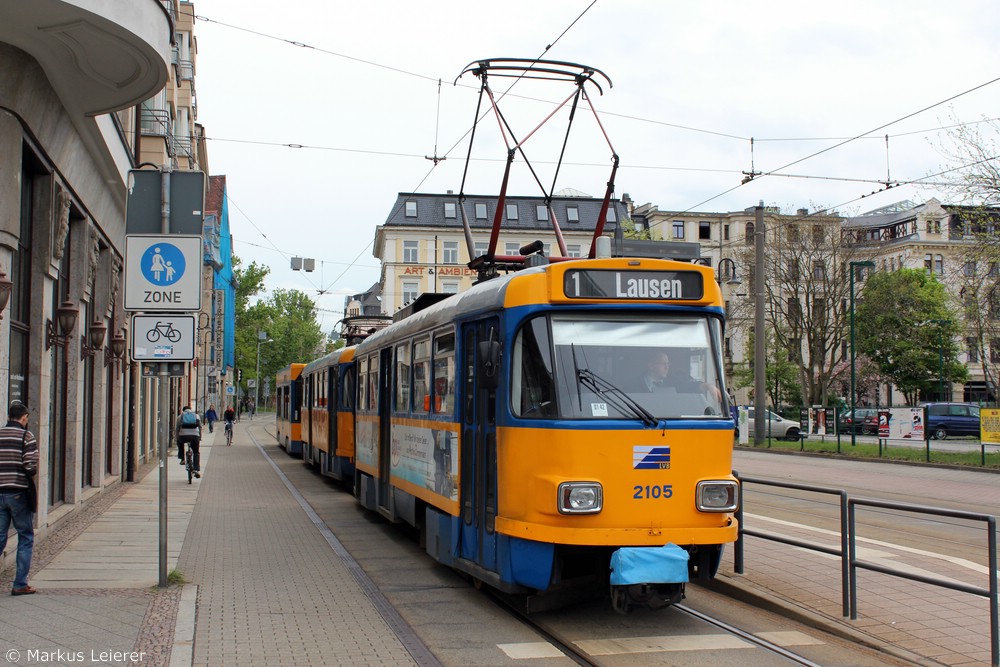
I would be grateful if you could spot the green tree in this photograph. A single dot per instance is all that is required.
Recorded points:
(251, 317)
(781, 375)
(905, 326)
(630, 231)
(293, 328)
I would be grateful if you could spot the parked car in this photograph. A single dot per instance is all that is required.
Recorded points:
(776, 426)
(944, 419)
(863, 420)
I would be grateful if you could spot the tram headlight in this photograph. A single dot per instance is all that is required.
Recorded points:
(717, 496)
(580, 498)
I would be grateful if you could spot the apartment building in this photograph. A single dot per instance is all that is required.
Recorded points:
(87, 94)
(423, 246)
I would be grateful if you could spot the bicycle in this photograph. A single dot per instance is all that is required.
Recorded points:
(229, 433)
(189, 463)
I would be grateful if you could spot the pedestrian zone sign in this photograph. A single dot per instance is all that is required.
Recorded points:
(162, 272)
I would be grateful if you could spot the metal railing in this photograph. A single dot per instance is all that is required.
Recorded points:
(848, 549)
(841, 553)
(991, 592)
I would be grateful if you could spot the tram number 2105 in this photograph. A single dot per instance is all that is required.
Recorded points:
(652, 492)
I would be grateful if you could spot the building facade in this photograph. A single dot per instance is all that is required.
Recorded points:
(423, 246)
(88, 93)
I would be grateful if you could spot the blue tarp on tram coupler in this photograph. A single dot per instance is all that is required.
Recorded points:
(649, 565)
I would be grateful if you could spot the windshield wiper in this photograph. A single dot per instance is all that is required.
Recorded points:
(614, 396)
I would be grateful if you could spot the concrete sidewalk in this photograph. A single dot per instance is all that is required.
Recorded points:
(241, 535)
(247, 542)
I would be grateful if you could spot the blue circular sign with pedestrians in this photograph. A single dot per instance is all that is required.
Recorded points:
(163, 264)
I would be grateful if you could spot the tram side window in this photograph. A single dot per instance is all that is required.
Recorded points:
(403, 378)
(422, 376)
(444, 372)
(532, 387)
(347, 388)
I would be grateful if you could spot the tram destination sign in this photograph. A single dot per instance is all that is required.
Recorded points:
(633, 285)
(162, 272)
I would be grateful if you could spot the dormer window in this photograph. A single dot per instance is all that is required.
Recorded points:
(411, 209)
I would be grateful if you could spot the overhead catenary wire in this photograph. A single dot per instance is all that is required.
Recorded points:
(772, 173)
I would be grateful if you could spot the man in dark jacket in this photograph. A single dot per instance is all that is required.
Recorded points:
(18, 463)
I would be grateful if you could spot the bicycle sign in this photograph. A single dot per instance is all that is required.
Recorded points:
(164, 330)
(163, 337)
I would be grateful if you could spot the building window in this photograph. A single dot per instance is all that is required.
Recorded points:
(993, 272)
(481, 248)
(411, 209)
(794, 309)
(409, 292)
(411, 251)
(573, 213)
(542, 212)
(995, 351)
(928, 264)
(512, 211)
(969, 269)
(725, 232)
(934, 226)
(449, 253)
(481, 212)
(793, 269)
(449, 288)
(449, 209)
(748, 234)
(704, 231)
(678, 227)
(973, 349)
(512, 248)
(573, 250)
(939, 264)
(793, 234)
(817, 234)
(819, 271)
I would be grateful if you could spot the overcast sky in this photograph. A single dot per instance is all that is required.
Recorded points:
(693, 82)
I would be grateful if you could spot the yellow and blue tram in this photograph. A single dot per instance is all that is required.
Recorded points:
(515, 425)
(288, 413)
(328, 414)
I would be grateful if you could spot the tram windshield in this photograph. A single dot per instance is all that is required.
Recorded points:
(567, 366)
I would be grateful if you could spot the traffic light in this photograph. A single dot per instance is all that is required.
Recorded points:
(239, 375)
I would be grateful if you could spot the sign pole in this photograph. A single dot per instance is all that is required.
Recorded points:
(163, 384)
(163, 397)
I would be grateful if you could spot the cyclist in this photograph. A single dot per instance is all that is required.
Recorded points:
(188, 429)
(229, 416)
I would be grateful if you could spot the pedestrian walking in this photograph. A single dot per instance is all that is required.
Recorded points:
(18, 466)
(211, 417)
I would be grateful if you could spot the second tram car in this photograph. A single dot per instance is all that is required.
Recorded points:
(288, 386)
(328, 414)
(527, 426)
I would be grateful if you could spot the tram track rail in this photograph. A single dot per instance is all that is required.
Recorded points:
(579, 656)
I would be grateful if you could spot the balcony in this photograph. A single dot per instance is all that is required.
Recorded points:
(98, 57)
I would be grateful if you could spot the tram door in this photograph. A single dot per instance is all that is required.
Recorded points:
(385, 392)
(330, 412)
(478, 485)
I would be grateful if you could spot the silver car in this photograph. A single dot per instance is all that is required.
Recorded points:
(776, 426)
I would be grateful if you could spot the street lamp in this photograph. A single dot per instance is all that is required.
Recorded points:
(854, 429)
(727, 270)
(256, 386)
